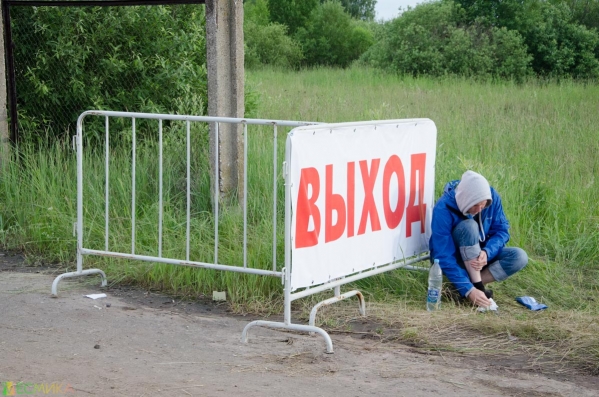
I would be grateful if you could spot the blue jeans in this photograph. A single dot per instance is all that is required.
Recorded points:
(508, 261)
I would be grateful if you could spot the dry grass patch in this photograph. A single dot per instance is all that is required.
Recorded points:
(546, 341)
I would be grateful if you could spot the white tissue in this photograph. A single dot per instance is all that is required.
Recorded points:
(493, 307)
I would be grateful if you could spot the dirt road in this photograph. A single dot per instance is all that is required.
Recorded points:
(135, 343)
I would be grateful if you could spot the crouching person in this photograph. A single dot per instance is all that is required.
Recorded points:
(469, 234)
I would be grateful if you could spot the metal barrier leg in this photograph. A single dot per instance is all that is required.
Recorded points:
(294, 327)
(337, 298)
(77, 274)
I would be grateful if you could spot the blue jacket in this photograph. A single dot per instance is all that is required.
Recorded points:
(445, 219)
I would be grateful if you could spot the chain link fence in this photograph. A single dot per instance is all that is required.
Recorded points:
(68, 59)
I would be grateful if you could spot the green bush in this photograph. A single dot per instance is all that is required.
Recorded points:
(432, 39)
(560, 35)
(478, 51)
(266, 42)
(71, 59)
(360, 9)
(332, 38)
(292, 13)
(585, 12)
(468, 53)
(270, 45)
(497, 13)
(256, 11)
(511, 58)
(413, 43)
(558, 44)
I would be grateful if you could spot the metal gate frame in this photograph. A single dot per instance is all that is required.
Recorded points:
(285, 272)
(81, 250)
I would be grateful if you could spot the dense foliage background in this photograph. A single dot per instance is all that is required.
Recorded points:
(513, 39)
(71, 59)
(142, 58)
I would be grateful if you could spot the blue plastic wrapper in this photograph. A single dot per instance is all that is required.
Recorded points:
(530, 303)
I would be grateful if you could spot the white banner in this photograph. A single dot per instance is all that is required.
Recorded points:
(362, 196)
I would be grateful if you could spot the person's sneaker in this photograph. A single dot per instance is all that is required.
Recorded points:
(489, 294)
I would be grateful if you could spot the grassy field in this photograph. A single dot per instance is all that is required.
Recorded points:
(536, 143)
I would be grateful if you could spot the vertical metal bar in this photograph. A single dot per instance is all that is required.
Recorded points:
(245, 193)
(79, 195)
(160, 188)
(106, 192)
(216, 192)
(287, 296)
(187, 231)
(274, 202)
(133, 183)
(287, 268)
(12, 81)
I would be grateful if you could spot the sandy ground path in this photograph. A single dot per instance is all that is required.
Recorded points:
(132, 349)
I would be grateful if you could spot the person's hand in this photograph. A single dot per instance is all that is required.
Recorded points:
(479, 298)
(480, 262)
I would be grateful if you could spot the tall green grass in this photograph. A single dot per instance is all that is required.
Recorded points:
(536, 143)
(38, 209)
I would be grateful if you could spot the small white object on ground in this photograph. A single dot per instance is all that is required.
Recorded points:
(96, 296)
(493, 307)
(219, 296)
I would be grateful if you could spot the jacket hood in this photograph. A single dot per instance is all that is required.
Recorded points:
(472, 189)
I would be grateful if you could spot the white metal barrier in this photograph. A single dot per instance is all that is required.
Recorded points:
(285, 273)
(81, 248)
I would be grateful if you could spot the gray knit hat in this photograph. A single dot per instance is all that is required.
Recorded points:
(472, 189)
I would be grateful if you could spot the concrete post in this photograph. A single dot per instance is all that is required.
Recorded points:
(224, 31)
(4, 134)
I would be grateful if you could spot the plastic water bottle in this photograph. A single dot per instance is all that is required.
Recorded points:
(435, 280)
